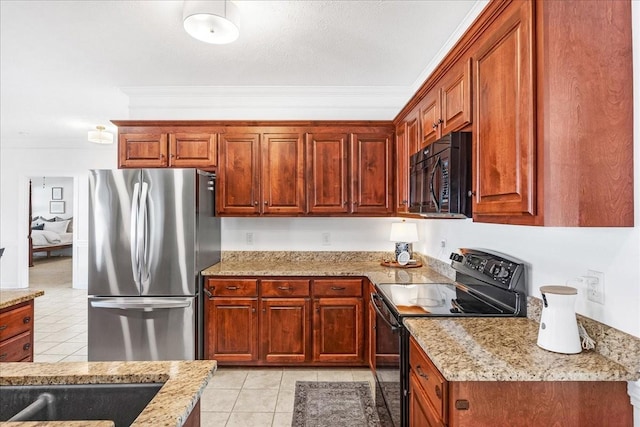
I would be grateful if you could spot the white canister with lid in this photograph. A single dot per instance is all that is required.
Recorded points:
(558, 325)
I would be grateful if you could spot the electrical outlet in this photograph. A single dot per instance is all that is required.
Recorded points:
(595, 286)
(249, 237)
(326, 239)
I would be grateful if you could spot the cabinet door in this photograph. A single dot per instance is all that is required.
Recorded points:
(282, 174)
(238, 175)
(327, 173)
(142, 150)
(192, 150)
(402, 169)
(455, 98)
(430, 117)
(232, 329)
(338, 330)
(504, 140)
(285, 330)
(372, 174)
(420, 412)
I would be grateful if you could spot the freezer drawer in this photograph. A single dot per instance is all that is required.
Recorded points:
(142, 328)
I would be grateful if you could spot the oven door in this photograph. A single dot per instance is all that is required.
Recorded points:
(389, 337)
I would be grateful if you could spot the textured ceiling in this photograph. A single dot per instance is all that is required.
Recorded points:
(63, 62)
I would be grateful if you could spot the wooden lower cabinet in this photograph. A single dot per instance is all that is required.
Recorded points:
(338, 330)
(16, 333)
(285, 330)
(285, 321)
(435, 401)
(232, 329)
(421, 414)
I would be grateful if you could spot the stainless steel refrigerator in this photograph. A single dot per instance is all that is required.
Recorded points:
(151, 232)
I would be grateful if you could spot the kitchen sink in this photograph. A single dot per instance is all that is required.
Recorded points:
(121, 403)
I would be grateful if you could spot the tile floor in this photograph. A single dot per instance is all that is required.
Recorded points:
(234, 396)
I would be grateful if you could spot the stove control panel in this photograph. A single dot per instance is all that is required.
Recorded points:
(488, 267)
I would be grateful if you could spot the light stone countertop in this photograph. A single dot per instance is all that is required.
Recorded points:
(504, 349)
(483, 349)
(9, 297)
(370, 269)
(184, 382)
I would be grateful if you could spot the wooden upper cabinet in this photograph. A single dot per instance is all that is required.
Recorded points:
(447, 107)
(372, 174)
(327, 173)
(192, 150)
(160, 150)
(142, 150)
(407, 134)
(282, 180)
(430, 117)
(239, 174)
(504, 145)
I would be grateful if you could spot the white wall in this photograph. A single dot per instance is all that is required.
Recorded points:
(41, 195)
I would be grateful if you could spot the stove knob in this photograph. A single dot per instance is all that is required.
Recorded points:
(456, 257)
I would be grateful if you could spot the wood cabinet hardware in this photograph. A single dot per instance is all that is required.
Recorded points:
(284, 288)
(338, 288)
(26, 320)
(27, 346)
(3, 356)
(462, 404)
(421, 373)
(438, 392)
(208, 293)
(232, 288)
(3, 327)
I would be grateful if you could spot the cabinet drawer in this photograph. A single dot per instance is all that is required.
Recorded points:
(429, 378)
(16, 321)
(16, 349)
(337, 288)
(233, 287)
(284, 288)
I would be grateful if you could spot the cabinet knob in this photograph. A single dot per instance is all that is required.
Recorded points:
(471, 193)
(26, 319)
(208, 293)
(3, 356)
(438, 392)
(3, 327)
(434, 126)
(27, 346)
(255, 203)
(232, 288)
(266, 203)
(338, 288)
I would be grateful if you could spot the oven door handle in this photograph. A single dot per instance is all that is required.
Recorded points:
(375, 297)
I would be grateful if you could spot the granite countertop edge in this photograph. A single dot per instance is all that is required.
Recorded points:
(184, 382)
(12, 296)
(505, 349)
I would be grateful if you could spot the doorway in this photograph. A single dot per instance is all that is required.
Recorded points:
(52, 230)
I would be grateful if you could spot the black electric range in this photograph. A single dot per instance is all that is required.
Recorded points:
(487, 283)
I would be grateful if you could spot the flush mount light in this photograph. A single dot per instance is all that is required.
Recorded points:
(214, 21)
(100, 136)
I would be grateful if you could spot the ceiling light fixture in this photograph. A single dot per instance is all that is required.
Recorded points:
(100, 136)
(213, 21)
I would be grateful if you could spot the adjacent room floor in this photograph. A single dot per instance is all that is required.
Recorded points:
(234, 396)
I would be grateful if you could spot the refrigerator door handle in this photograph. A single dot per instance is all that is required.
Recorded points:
(143, 236)
(133, 238)
(135, 304)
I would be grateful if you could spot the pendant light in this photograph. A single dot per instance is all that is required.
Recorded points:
(213, 21)
(100, 136)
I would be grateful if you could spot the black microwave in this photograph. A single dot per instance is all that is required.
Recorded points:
(440, 178)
